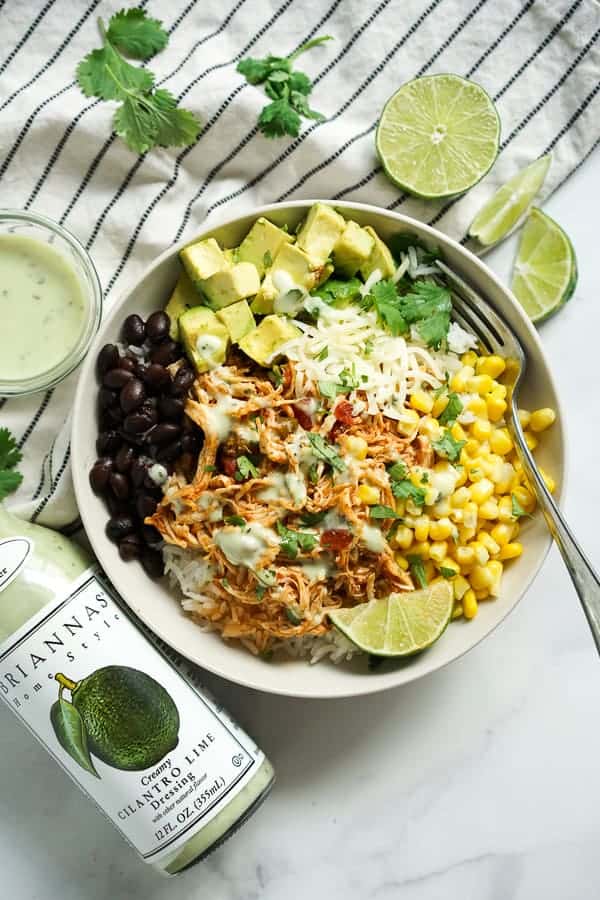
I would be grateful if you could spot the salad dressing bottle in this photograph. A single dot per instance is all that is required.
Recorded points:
(123, 717)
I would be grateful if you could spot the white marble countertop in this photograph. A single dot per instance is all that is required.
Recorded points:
(480, 782)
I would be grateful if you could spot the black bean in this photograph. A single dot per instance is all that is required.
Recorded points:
(107, 443)
(152, 562)
(100, 473)
(138, 471)
(134, 330)
(165, 433)
(119, 527)
(151, 535)
(124, 458)
(171, 407)
(106, 398)
(170, 452)
(130, 547)
(151, 487)
(132, 395)
(156, 376)
(157, 326)
(114, 415)
(108, 358)
(117, 507)
(190, 443)
(119, 485)
(151, 403)
(128, 364)
(116, 378)
(166, 353)
(145, 505)
(182, 382)
(137, 422)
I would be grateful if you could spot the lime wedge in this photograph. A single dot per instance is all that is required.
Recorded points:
(398, 625)
(509, 203)
(438, 135)
(545, 272)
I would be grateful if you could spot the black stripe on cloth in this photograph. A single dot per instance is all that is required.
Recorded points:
(124, 184)
(41, 507)
(358, 184)
(571, 121)
(323, 165)
(533, 112)
(27, 35)
(300, 140)
(47, 459)
(166, 188)
(54, 56)
(73, 124)
(38, 415)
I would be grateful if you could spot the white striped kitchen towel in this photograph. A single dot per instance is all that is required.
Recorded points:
(538, 59)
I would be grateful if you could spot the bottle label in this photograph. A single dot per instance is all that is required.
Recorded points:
(154, 751)
(13, 553)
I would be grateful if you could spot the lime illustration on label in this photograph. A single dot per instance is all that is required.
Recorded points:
(119, 715)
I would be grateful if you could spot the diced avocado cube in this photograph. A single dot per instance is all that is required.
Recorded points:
(320, 231)
(262, 243)
(262, 343)
(300, 268)
(380, 257)
(231, 256)
(184, 296)
(204, 338)
(231, 284)
(237, 319)
(352, 249)
(202, 259)
(262, 304)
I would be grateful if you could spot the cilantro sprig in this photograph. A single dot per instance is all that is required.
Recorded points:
(427, 305)
(287, 89)
(448, 447)
(452, 410)
(325, 451)
(147, 117)
(402, 486)
(10, 456)
(294, 541)
(245, 468)
(417, 569)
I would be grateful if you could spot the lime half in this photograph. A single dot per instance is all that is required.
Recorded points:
(509, 203)
(545, 272)
(400, 624)
(438, 135)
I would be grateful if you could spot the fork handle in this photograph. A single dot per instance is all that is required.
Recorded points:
(583, 576)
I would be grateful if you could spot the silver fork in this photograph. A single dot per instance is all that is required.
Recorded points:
(476, 315)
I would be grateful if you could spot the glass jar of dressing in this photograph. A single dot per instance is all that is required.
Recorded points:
(122, 715)
(50, 300)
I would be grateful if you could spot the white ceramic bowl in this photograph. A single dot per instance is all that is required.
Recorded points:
(158, 606)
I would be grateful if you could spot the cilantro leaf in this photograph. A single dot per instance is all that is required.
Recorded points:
(428, 305)
(134, 33)
(104, 73)
(293, 616)
(235, 520)
(245, 468)
(325, 451)
(447, 572)
(278, 118)
(383, 512)
(517, 509)
(261, 590)
(323, 354)
(448, 447)
(398, 471)
(255, 71)
(267, 259)
(338, 290)
(451, 411)
(10, 456)
(293, 541)
(310, 519)
(300, 83)
(406, 490)
(417, 569)
(9, 482)
(400, 243)
(385, 300)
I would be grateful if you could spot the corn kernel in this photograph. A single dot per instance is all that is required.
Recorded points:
(481, 429)
(496, 406)
(469, 604)
(549, 480)
(439, 405)
(441, 529)
(400, 507)
(465, 556)
(481, 553)
(421, 401)
(470, 512)
(403, 537)
(511, 550)
(531, 440)
(430, 572)
(489, 510)
(471, 449)
(442, 508)
(524, 418)
(409, 422)
(457, 611)
(482, 595)
(495, 567)
(480, 384)
(401, 561)
(481, 491)
(485, 538)
(478, 407)
(448, 563)
(542, 419)
(469, 359)
(438, 551)
(462, 477)
(421, 549)
(421, 527)
(355, 446)
(458, 382)
(490, 365)
(501, 441)
(466, 534)
(458, 432)
(430, 427)
(368, 494)
(502, 533)
(481, 579)
(474, 470)
(505, 513)
(460, 586)
(524, 497)
(499, 390)
(461, 496)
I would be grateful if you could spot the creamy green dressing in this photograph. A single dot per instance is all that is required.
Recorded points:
(43, 307)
